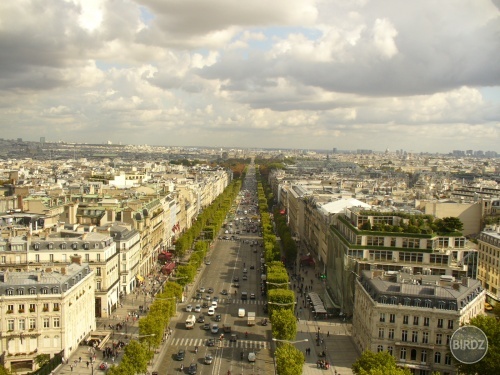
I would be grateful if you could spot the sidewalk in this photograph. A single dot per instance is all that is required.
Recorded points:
(335, 334)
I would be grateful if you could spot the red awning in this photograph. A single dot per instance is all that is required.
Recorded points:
(168, 268)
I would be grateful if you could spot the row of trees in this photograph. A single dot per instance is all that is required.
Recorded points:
(281, 300)
(138, 353)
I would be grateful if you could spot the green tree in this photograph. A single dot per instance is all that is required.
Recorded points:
(42, 359)
(4, 371)
(289, 360)
(121, 369)
(284, 325)
(449, 225)
(136, 357)
(381, 363)
(490, 364)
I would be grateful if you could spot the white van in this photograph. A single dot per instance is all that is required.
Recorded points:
(241, 313)
(190, 321)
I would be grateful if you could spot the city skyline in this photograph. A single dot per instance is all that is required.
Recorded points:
(295, 74)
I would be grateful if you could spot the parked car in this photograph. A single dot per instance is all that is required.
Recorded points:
(224, 292)
(205, 305)
(210, 342)
(208, 359)
(201, 319)
(193, 368)
(215, 328)
(202, 289)
(211, 310)
(252, 295)
(197, 308)
(251, 357)
(206, 326)
(210, 290)
(189, 308)
(218, 318)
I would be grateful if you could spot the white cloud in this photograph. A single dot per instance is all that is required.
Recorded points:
(298, 73)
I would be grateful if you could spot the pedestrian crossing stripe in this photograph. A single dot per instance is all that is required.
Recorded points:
(243, 344)
(225, 300)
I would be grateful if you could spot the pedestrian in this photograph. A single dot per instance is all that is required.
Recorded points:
(88, 363)
(79, 359)
(71, 367)
(328, 334)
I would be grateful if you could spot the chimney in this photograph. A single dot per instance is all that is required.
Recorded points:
(110, 215)
(466, 281)
(63, 270)
(77, 259)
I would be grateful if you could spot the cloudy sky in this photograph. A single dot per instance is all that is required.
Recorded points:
(312, 74)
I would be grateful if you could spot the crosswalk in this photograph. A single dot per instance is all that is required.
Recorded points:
(242, 344)
(199, 301)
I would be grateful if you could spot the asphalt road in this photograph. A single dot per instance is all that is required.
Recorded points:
(227, 261)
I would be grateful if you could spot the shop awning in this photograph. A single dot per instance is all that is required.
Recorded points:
(140, 278)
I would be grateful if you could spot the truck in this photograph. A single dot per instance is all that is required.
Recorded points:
(190, 321)
(251, 318)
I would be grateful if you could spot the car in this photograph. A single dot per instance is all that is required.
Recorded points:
(210, 290)
(252, 295)
(202, 289)
(206, 326)
(215, 299)
(264, 322)
(214, 304)
(211, 342)
(218, 317)
(236, 279)
(245, 270)
(211, 310)
(233, 337)
(201, 319)
(208, 359)
(199, 296)
(193, 368)
(180, 355)
(207, 297)
(197, 308)
(189, 308)
(215, 328)
(224, 292)
(205, 305)
(245, 277)
(251, 357)
(236, 285)
(207, 262)
(252, 267)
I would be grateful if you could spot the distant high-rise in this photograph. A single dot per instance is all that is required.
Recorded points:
(42, 139)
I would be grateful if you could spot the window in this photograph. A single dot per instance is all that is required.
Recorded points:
(407, 301)
(417, 302)
(124, 279)
(3, 259)
(45, 291)
(21, 308)
(448, 338)
(441, 305)
(382, 317)
(37, 258)
(413, 355)
(56, 307)
(415, 320)
(98, 285)
(439, 338)
(440, 323)
(425, 337)
(380, 348)
(381, 333)
(10, 308)
(447, 359)
(428, 303)
(46, 323)
(45, 307)
(87, 258)
(426, 322)
(391, 333)
(74, 246)
(406, 318)
(404, 335)
(51, 257)
(32, 307)
(414, 336)
(98, 257)
(63, 245)
(390, 350)
(21, 324)
(9, 292)
(450, 324)
(56, 322)
(437, 357)
(402, 354)
(98, 271)
(423, 356)
(32, 323)
(10, 324)
(392, 318)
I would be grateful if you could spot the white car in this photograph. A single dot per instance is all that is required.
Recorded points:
(215, 328)
(211, 310)
(197, 308)
(214, 304)
(202, 289)
(189, 308)
(251, 357)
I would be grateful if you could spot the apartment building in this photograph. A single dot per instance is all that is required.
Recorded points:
(489, 262)
(97, 249)
(46, 311)
(413, 316)
(391, 241)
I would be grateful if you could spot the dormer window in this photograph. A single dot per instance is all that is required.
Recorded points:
(20, 292)
(36, 246)
(74, 246)
(96, 245)
(86, 245)
(45, 290)
(394, 300)
(63, 245)
(55, 290)
(32, 291)
(9, 292)
(441, 305)
(51, 245)
(428, 303)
